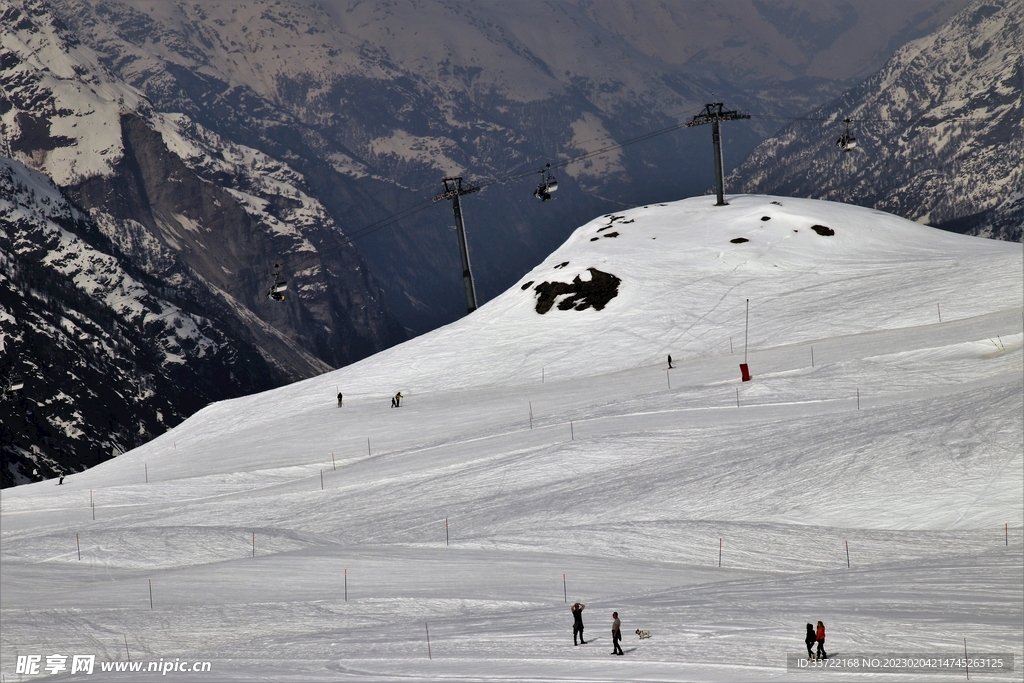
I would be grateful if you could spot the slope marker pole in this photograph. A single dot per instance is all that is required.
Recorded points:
(321, 480)
(730, 345)
(78, 543)
(333, 464)
(346, 585)
(719, 552)
(938, 307)
(150, 593)
(572, 433)
(368, 446)
(847, 554)
(812, 356)
(565, 591)
(542, 375)
(446, 531)
(147, 472)
(429, 656)
(858, 398)
(967, 666)
(737, 397)
(126, 647)
(1006, 529)
(531, 414)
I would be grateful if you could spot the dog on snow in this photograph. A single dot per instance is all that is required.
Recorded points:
(643, 633)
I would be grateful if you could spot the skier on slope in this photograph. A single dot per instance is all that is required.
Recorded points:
(577, 622)
(820, 637)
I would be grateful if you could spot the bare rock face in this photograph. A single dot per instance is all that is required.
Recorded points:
(594, 293)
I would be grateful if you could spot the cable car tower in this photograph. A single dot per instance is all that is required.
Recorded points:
(453, 189)
(713, 114)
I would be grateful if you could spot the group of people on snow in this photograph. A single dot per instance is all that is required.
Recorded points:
(396, 400)
(577, 628)
(816, 636)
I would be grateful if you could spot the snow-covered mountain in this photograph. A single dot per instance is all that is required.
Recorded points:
(374, 103)
(105, 356)
(210, 141)
(869, 475)
(940, 131)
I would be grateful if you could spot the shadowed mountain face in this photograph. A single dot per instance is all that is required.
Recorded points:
(939, 131)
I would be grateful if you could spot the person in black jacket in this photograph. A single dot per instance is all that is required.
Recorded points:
(577, 622)
(809, 640)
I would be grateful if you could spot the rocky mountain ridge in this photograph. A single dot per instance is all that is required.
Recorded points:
(940, 132)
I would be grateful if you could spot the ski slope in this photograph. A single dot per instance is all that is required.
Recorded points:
(532, 446)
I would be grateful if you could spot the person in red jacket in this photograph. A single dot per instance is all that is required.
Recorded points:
(820, 635)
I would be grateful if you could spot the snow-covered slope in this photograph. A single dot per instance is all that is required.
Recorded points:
(285, 536)
(939, 128)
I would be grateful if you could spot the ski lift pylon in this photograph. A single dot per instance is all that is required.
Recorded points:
(846, 141)
(548, 184)
(278, 286)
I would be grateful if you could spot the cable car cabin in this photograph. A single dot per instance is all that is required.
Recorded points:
(278, 287)
(548, 184)
(846, 141)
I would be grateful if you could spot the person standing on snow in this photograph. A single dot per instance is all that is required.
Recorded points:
(670, 362)
(809, 640)
(820, 637)
(396, 402)
(577, 622)
(339, 399)
(616, 634)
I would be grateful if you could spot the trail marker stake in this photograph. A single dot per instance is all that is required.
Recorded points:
(368, 446)
(737, 397)
(429, 656)
(542, 375)
(446, 531)
(967, 666)
(333, 464)
(812, 356)
(77, 543)
(858, 398)
(730, 345)
(744, 368)
(150, 593)
(92, 505)
(719, 552)
(1006, 529)
(147, 472)
(321, 480)
(847, 554)
(572, 432)
(939, 309)
(126, 647)
(254, 544)
(346, 585)
(565, 591)
(531, 414)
